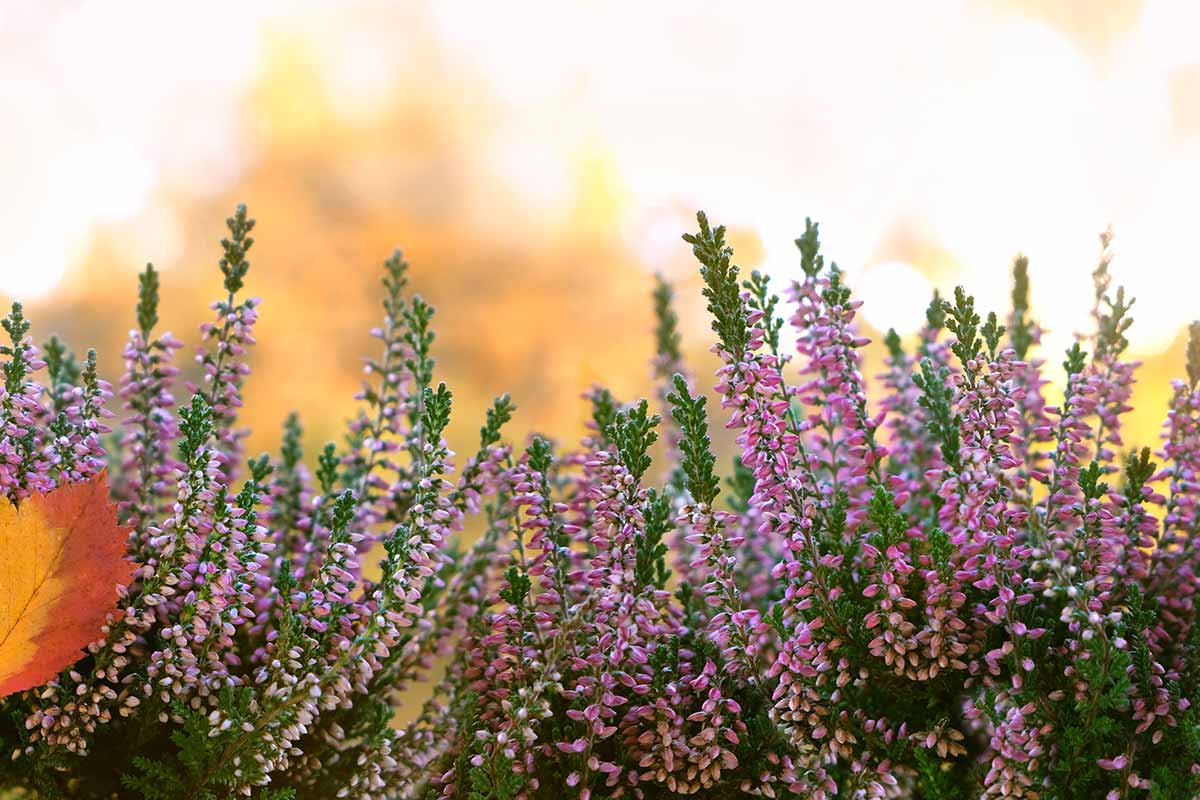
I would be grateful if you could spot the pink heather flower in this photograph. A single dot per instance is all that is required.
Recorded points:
(1175, 559)
(937, 584)
(1118, 763)
(149, 461)
(225, 369)
(911, 452)
(843, 432)
(25, 459)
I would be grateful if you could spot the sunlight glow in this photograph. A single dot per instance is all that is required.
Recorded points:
(894, 295)
(995, 130)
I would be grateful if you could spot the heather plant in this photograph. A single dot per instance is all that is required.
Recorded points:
(965, 587)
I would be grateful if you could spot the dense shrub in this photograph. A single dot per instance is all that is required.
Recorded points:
(966, 589)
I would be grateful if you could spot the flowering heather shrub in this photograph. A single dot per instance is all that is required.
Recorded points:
(967, 588)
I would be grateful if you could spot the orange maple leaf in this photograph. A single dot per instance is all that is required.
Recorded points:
(62, 555)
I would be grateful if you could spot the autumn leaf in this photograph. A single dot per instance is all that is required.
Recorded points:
(62, 555)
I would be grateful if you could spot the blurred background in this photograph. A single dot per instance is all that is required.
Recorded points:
(537, 162)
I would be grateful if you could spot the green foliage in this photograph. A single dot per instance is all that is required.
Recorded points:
(940, 550)
(698, 461)
(260, 467)
(436, 414)
(937, 399)
(809, 245)
(938, 779)
(992, 331)
(327, 468)
(963, 322)
(604, 413)
(342, 513)
(1078, 688)
(650, 567)
(741, 486)
(891, 340)
(664, 663)
(667, 340)
(234, 265)
(517, 588)
(1138, 470)
(60, 364)
(1180, 744)
(1139, 618)
(541, 455)
(1114, 321)
(835, 518)
(721, 287)
(198, 765)
(763, 301)
(17, 326)
(935, 314)
(493, 778)
(195, 428)
(1075, 361)
(395, 280)
(291, 451)
(419, 336)
(888, 523)
(147, 307)
(16, 367)
(1021, 333)
(88, 375)
(499, 415)
(1089, 481)
(632, 431)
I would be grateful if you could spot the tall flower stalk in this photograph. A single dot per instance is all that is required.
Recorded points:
(951, 583)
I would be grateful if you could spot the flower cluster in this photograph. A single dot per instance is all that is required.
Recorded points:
(965, 587)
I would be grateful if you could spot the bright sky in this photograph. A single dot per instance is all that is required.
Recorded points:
(971, 131)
